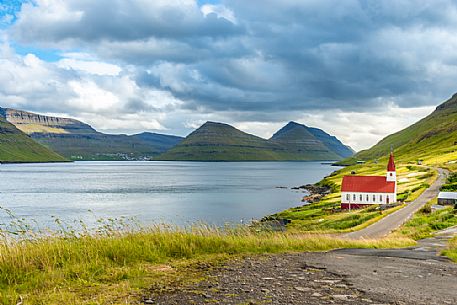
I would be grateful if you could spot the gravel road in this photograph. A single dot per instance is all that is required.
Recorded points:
(321, 278)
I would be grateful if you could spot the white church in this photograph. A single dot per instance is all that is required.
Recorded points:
(362, 191)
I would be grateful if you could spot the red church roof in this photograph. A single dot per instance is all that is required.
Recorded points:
(391, 165)
(367, 184)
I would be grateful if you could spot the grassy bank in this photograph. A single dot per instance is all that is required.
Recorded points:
(425, 222)
(114, 266)
(326, 217)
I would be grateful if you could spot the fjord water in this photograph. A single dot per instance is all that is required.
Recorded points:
(153, 192)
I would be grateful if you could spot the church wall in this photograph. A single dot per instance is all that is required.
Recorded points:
(376, 200)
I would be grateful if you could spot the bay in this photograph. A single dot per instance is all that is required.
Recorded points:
(178, 193)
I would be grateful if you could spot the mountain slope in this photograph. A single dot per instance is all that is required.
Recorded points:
(15, 146)
(332, 142)
(161, 141)
(434, 138)
(79, 141)
(222, 142)
(310, 142)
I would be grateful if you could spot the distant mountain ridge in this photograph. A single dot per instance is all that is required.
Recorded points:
(221, 142)
(211, 142)
(313, 140)
(79, 141)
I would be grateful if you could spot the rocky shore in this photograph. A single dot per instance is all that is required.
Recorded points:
(316, 192)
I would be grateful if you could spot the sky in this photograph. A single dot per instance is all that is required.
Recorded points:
(360, 70)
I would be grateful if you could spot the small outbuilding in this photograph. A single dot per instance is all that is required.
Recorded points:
(447, 198)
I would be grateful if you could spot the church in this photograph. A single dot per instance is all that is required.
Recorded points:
(362, 191)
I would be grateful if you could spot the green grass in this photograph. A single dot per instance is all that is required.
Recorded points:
(326, 216)
(425, 222)
(451, 252)
(432, 139)
(113, 266)
(15, 146)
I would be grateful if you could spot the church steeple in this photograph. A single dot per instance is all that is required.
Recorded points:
(391, 171)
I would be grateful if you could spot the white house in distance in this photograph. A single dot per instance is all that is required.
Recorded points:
(362, 191)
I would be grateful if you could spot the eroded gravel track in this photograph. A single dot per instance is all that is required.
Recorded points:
(322, 278)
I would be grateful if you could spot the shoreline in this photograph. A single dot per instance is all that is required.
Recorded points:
(35, 162)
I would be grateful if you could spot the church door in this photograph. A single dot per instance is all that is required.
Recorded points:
(388, 199)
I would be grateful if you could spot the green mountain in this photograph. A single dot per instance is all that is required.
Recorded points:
(433, 139)
(222, 142)
(15, 146)
(79, 141)
(310, 142)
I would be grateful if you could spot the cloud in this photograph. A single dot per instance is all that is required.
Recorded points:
(91, 67)
(52, 21)
(255, 63)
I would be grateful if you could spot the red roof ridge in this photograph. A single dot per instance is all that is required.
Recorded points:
(364, 176)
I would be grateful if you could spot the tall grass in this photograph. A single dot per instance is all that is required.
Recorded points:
(451, 252)
(425, 222)
(67, 266)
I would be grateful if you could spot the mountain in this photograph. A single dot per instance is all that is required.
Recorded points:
(16, 146)
(434, 138)
(310, 142)
(221, 142)
(79, 141)
(162, 141)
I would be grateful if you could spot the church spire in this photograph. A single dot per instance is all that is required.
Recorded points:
(391, 171)
(391, 165)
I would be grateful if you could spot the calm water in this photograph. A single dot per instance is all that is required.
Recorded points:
(171, 192)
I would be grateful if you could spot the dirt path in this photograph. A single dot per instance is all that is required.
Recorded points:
(396, 219)
(415, 275)
(321, 278)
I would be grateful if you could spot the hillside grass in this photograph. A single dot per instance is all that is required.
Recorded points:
(15, 146)
(326, 215)
(432, 139)
(114, 266)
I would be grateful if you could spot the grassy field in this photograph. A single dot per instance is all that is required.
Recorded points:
(115, 265)
(325, 216)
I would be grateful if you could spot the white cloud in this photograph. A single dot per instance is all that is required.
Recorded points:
(90, 97)
(219, 10)
(91, 67)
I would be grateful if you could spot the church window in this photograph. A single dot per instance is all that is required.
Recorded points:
(353, 197)
(361, 199)
(348, 197)
(380, 198)
(374, 198)
(368, 198)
